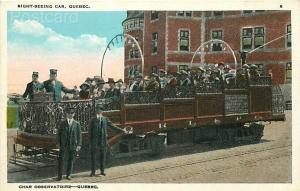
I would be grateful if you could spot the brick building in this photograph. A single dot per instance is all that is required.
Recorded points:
(169, 39)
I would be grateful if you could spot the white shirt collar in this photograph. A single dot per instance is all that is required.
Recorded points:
(70, 121)
(99, 116)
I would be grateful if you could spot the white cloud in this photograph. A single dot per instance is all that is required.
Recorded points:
(31, 27)
(74, 57)
(55, 41)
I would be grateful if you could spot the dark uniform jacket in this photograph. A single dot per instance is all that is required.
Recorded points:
(31, 88)
(98, 134)
(69, 137)
(56, 89)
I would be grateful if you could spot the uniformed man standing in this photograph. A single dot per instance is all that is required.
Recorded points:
(98, 139)
(33, 87)
(56, 87)
(69, 142)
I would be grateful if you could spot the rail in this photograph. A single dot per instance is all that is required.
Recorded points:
(44, 117)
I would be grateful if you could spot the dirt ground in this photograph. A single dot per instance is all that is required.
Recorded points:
(269, 161)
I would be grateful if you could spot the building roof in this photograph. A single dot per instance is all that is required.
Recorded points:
(133, 15)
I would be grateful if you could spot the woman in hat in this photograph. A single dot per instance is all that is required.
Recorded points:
(84, 91)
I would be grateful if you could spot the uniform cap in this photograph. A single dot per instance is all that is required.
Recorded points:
(35, 73)
(53, 71)
(70, 109)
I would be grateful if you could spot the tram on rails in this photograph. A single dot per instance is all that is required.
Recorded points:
(202, 113)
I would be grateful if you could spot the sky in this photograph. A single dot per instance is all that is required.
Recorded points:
(71, 42)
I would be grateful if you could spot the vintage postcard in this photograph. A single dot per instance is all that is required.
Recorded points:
(155, 92)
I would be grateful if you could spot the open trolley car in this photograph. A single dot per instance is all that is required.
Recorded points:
(201, 113)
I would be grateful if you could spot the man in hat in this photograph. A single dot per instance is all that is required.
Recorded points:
(137, 84)
(69, 142)
(32, 87)
(253, 73)
(120, 85)
(163, 78)
(112, 91)
(98, 90)
(186, 81)
(153, 84)
(113, 94)
(98, 138)
(242, 76)
(55, 86)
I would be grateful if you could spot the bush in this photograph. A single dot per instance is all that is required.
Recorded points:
(12, 116)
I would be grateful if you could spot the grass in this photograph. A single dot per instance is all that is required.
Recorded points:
(12, 117)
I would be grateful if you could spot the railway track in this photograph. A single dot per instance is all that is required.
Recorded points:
(183, 167)
(272, 153)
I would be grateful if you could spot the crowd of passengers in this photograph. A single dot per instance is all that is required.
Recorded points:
(218, 74)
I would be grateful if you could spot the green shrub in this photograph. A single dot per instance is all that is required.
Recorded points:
(12, 116)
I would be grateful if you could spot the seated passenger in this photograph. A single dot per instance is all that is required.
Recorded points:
(185, 79)
(112, 92)
(98, 91)
(163, 78)
(137, 84)
(154, 84)
(254, 75)
(120, 85)
(84, 91)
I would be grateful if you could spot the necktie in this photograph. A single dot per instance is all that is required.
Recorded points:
(100, 131)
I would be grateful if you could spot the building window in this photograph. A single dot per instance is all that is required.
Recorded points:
(289, 36)
(135, 70)
(247, 12)
(218, 13)
(131, 54)
(135, 23)
(288, 72)
(253, 37)
(131, 24)
(154, 15)
(184, 13)
(141, 23)
(217, 34)
(184, 40)
(136, 54)
(259, 36)
(247, 38)
(154, 69)
(183, 67)
(131, 71)
(154, 43)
